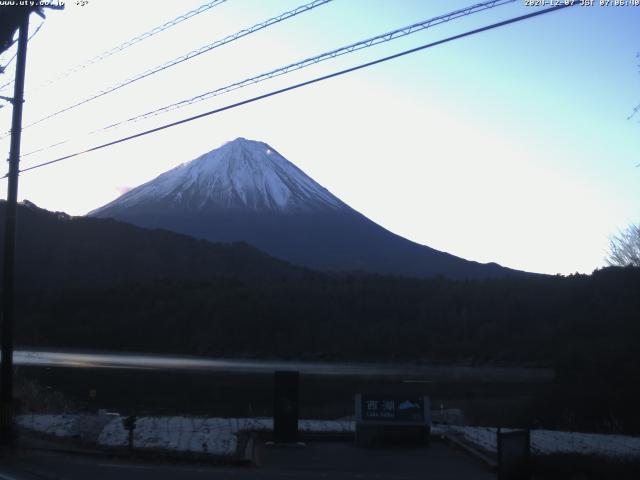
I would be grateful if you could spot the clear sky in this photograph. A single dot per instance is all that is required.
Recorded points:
(510, 146)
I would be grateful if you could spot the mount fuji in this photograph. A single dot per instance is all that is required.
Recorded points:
(246, 191)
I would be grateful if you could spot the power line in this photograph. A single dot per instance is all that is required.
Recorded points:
(303, 84)
(6, 50)
(378, 39)
(2, 69)
(133, 41)
(194, 53)
(7, 47)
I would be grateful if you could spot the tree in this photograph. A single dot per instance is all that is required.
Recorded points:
(624, 248)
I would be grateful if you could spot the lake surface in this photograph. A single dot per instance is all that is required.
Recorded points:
(164, 362)
(174, 385)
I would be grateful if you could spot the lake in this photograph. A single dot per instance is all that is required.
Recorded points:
(166, 362)
(163, 384)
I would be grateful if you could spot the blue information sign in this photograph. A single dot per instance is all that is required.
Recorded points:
(392, 409)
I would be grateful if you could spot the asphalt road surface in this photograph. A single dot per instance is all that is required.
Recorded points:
(326, 460)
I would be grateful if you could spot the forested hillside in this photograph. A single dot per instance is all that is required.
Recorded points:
(100, 284)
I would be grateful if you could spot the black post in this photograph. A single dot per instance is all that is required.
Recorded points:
(285, 407)
(129, 424)
(6, 368)
(514, 455)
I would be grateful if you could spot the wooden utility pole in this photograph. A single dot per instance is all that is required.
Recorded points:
(6, 368)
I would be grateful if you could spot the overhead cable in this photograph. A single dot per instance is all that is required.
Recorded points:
(303, 84)
(378, 39)
(382, 38)
(194, 53)
(4, 67)
(132, 41)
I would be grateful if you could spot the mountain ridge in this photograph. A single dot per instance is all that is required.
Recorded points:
(93, 252)
(281, 211)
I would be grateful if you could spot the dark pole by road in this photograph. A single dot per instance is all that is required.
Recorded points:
(6, 368)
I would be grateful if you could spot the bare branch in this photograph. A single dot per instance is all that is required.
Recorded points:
(624, 248)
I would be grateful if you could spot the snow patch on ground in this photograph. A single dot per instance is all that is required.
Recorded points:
(544, 442)
(212, 436)
(216, 436)
(219, 436)
(57, 425)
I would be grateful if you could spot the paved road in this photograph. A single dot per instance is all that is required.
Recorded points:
(340, 461)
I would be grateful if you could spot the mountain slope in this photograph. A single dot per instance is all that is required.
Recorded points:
(246, 191)
(56, 250)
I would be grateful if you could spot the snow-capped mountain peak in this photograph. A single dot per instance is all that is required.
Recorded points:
(240, 174)
(246, 191)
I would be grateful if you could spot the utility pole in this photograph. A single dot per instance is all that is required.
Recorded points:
(6, 368)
